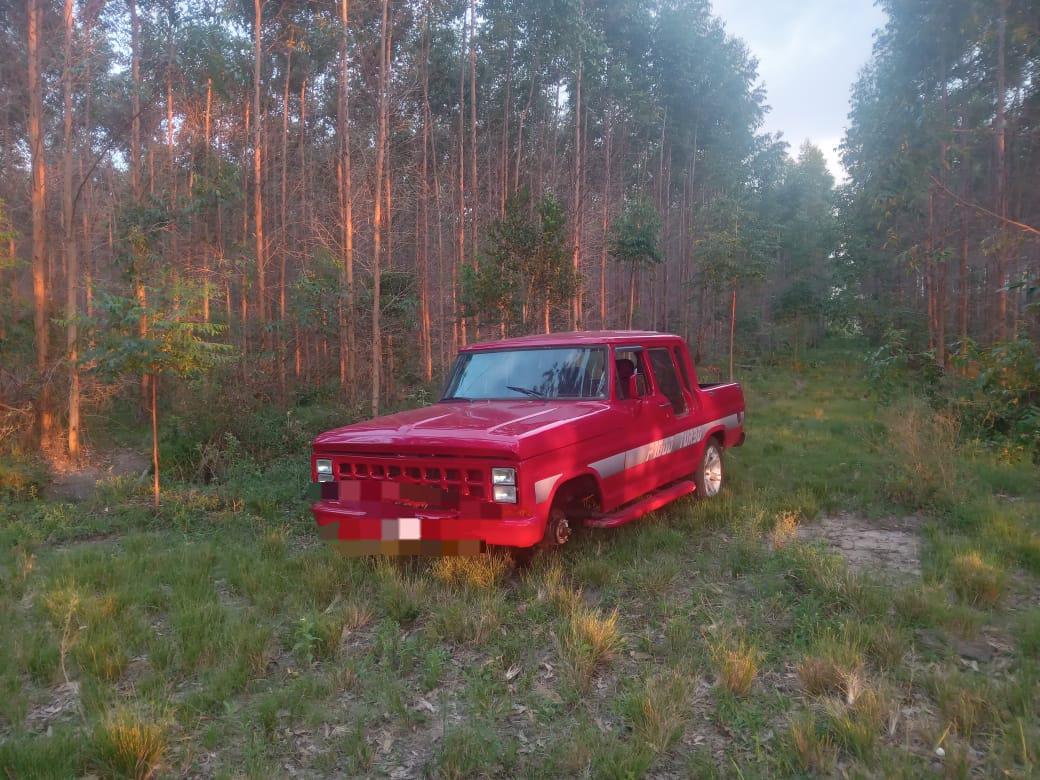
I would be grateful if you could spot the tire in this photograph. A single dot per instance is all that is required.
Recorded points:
(558, 532)
(710, 473)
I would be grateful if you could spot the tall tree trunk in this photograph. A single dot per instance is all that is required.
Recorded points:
(377, 215)
(346, 297)
(460, 234)
(605, 224)
(423, 242)
(258, 183)
(155, 438)
(473, 182)
(732, 326)
(207, 247)
(576, 303)
(44, 411)
(71, 249)
(283, 220)
(1001, 162)
(136, 185)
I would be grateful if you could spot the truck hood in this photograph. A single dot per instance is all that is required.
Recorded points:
(521, 429)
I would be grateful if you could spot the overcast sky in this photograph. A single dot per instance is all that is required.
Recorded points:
(809, 53)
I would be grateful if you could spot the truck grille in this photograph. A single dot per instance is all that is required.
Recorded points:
(471, 479)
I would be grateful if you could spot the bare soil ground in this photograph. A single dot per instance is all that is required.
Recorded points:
(887, 546)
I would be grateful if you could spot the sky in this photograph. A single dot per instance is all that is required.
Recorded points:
(809, 54)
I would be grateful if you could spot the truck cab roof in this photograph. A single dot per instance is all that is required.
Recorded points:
(575, 338)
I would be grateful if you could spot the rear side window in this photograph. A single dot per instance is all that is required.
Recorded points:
(667, 379)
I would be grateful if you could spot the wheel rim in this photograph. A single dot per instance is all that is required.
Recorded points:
(712, 471)
(561, 530)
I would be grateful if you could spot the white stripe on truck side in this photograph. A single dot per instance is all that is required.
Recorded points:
(627, 459)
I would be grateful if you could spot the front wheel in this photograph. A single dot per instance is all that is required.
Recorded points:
(709, 475)
(557, 533)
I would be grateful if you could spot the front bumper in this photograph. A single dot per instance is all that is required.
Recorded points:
(387, 527)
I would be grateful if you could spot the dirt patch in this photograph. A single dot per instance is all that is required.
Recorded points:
(80, 484)
(62, 703)
(889, 543)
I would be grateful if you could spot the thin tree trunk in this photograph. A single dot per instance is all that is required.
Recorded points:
(460, 235)
(346, 306)
(258, 188)
(423, 242)
(137, 189)
(1001, 162)
(71, 249)
(605, 225)
(283, 219)
(732, 326)
(155, 441)
(576, 303)
(44, 411)
(377, 216)
(474, 178)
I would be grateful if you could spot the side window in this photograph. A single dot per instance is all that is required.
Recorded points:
(677, 353)
(668, 379)
(629, 362)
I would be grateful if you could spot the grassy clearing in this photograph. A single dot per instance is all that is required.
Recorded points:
(218, 637)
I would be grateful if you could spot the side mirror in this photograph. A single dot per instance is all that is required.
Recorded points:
(633, 388)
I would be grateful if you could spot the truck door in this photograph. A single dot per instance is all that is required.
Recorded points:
(630, 472)
(672, 404)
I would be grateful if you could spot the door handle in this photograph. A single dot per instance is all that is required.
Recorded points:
(664, 405)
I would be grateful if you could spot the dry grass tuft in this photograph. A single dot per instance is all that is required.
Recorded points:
(130, 745)
(925, 444)
(658, 715)
(480, 572)
(814, 749)
(355, 616)
(784, 531)
(588, 641)
(555, 589)
(856, 724)
(737, 667)
(820, 675)
(975, 581)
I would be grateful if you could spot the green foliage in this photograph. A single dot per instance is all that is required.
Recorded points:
(525, 267)
(635, 234)
(172, 345)
(1000, 398)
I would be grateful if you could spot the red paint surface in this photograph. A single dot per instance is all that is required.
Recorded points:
(435, 463)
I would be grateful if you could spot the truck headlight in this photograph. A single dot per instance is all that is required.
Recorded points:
(504, 494)
(503, 477)
(323, 467)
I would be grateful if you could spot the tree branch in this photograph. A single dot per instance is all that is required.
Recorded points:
(968, 204)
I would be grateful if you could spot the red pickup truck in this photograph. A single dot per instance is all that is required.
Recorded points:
(532, 436)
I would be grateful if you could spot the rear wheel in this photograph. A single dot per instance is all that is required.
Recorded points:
(710, 474)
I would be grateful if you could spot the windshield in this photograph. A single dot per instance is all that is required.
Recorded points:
(556, 373)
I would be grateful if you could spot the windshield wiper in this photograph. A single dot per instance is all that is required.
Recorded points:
(527, 391)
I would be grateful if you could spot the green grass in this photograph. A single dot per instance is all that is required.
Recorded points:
(219, 637)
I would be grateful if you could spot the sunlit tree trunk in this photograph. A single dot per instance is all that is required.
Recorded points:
(71, 248)
(44, 410)
(377, 215)
(346, 308)
(258, 188)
